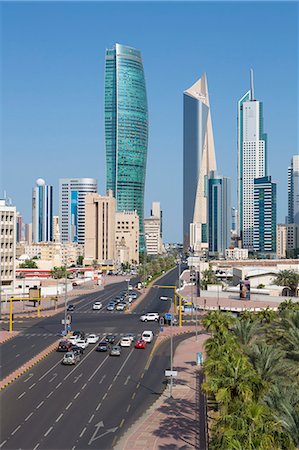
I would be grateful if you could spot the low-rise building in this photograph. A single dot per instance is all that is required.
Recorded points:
(127, 235)
(7, 243)
(236, 253)
(55, 253)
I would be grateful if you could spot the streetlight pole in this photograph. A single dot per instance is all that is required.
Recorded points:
(171, 357)
(65, 302)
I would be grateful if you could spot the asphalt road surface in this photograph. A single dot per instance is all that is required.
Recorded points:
(91, 404)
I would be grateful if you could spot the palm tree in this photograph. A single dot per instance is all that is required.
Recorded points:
(216, 321)
(28, 264)
(267, 361)
(245, 331)
(288, 278)
(288, 305)
(59, 272)
(266, 315)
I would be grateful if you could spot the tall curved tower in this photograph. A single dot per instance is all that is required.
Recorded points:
(199, 160)
(126, 130)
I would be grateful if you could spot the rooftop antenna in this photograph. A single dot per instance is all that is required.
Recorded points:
(251, 85)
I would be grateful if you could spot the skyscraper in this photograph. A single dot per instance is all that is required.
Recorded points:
(72, 193)
(42, 212)
(156, 211)
(264, 215)
(252, 160)
(219, 219)
(293, 190)
(126, 130)
(199, 160)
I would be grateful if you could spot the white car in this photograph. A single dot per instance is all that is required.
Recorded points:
(125, 342)
(92, 339)
(73, 339)
(147, 336)
(83, 343)
(150, 317)
(97, 305)
(120, 307)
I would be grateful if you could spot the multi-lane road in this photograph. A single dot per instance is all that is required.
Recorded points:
(91, 404)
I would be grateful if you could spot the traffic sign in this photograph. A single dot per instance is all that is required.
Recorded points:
(171, 373)
(168, 316)
(67, 322)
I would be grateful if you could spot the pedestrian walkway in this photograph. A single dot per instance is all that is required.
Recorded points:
(174, 423)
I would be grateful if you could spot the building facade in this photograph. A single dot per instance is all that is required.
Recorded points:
(236, 253)
(28, 233)
(219, 213)
(42, 212)
(72, 192)
(99, 228)
(152, 235)
(19, 227)
(156, 211)
(126, 130)
(58, 254)
(7, 244)
(252, 160)
(281, 240)
(293, 240)
(293, 190)
(56, 229)
(127, 237)
(264, 215)
(199, 160)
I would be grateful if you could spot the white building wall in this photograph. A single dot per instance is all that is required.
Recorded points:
(7, 243)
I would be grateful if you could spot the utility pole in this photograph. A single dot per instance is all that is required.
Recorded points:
(65, 302)
(171, 356)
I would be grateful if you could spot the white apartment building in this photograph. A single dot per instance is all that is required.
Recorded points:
(72, 193)
(236, 253)
(281, 240)
(152, 236)
(7, 243)
(127, 237)
(56, 229)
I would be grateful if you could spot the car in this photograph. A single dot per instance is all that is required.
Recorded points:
(64, 346)
(133, 295)
(140, 343)
(75, 348)
(150, 317)
(125, 342)
(131, 336)
(130, 287)
(70, 308)
(92, 338)
(165, 299)
(115, 350)
(110, 307)
(71, 358)
(97, 305)
(74, 283)
(83, 343)
(103, 347)
(110, 338)
(147, 336)
(74, 339)
(79, 333)
(120, 307)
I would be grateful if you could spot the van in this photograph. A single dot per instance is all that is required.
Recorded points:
(147, 336)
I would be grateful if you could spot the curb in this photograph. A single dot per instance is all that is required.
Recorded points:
(32, 362)
(15, 333)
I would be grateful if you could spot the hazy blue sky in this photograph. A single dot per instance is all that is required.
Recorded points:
(53, 86)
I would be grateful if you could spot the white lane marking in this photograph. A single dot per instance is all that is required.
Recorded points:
(98, 407)
(73, 448)
(31, 375)
(49, 431)
(102, 379)
(128, 408)
(59, 384)
(33, 345)
(76, 366)
(53, 378)
(127, 380)
(82, 432)
(91, 417)
(59, 417)
(104, 396)
(40, 404)
(110, 387)
(4, 442)
(17, 355)
(28, 417)
(138, 386)
(84, 386)
(48, 371)
(21, 395)
(69, 405)
(30, 387)
(77, 395)
(18, 427)
(77, 378)
(37, 445)
(123, 365)
(98, 368)
(49, 395)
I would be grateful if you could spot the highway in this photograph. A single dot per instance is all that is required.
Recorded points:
(91, 404)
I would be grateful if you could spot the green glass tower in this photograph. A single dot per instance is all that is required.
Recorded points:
(126, 130)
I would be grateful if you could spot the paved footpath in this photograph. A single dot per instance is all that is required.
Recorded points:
(173, 423)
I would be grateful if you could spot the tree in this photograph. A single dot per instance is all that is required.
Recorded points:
(288, 278)
(28, 264)
(208, 276)
(59, 272)
(288, 305)
(80, 260)
(245, 331)
(216, 321)
(266, 315)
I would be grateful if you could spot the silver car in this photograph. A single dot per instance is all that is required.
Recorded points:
(71, 358)
(115, 350)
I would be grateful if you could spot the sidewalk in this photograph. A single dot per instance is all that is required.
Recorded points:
(173, 423)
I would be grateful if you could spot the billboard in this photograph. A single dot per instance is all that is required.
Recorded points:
(245, 290)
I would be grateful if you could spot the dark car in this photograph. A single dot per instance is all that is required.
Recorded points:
(110, 338)
(75, 348)
(64, 346)
(103, 347)
(70, 308)
(74, 283)
(79, 333)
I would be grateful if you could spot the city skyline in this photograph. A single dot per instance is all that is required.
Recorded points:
(78, 78)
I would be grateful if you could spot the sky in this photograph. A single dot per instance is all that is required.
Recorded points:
(53, 59)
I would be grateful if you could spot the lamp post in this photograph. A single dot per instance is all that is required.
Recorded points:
(171, 356)
(65, 302)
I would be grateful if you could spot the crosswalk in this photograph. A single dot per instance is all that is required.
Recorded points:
(24, 334)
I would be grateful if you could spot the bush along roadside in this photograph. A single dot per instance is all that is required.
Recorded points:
(252, 379)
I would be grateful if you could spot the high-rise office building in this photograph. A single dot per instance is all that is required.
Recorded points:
(28, 233)
(72, 193)
(8, 243)
(234, 220)
(156, 211)
(199, 160)
(19, 227)
(293, 190)
(252, 160)
(219, 217)
(126, 130)
(264, 215)
(42, 212)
